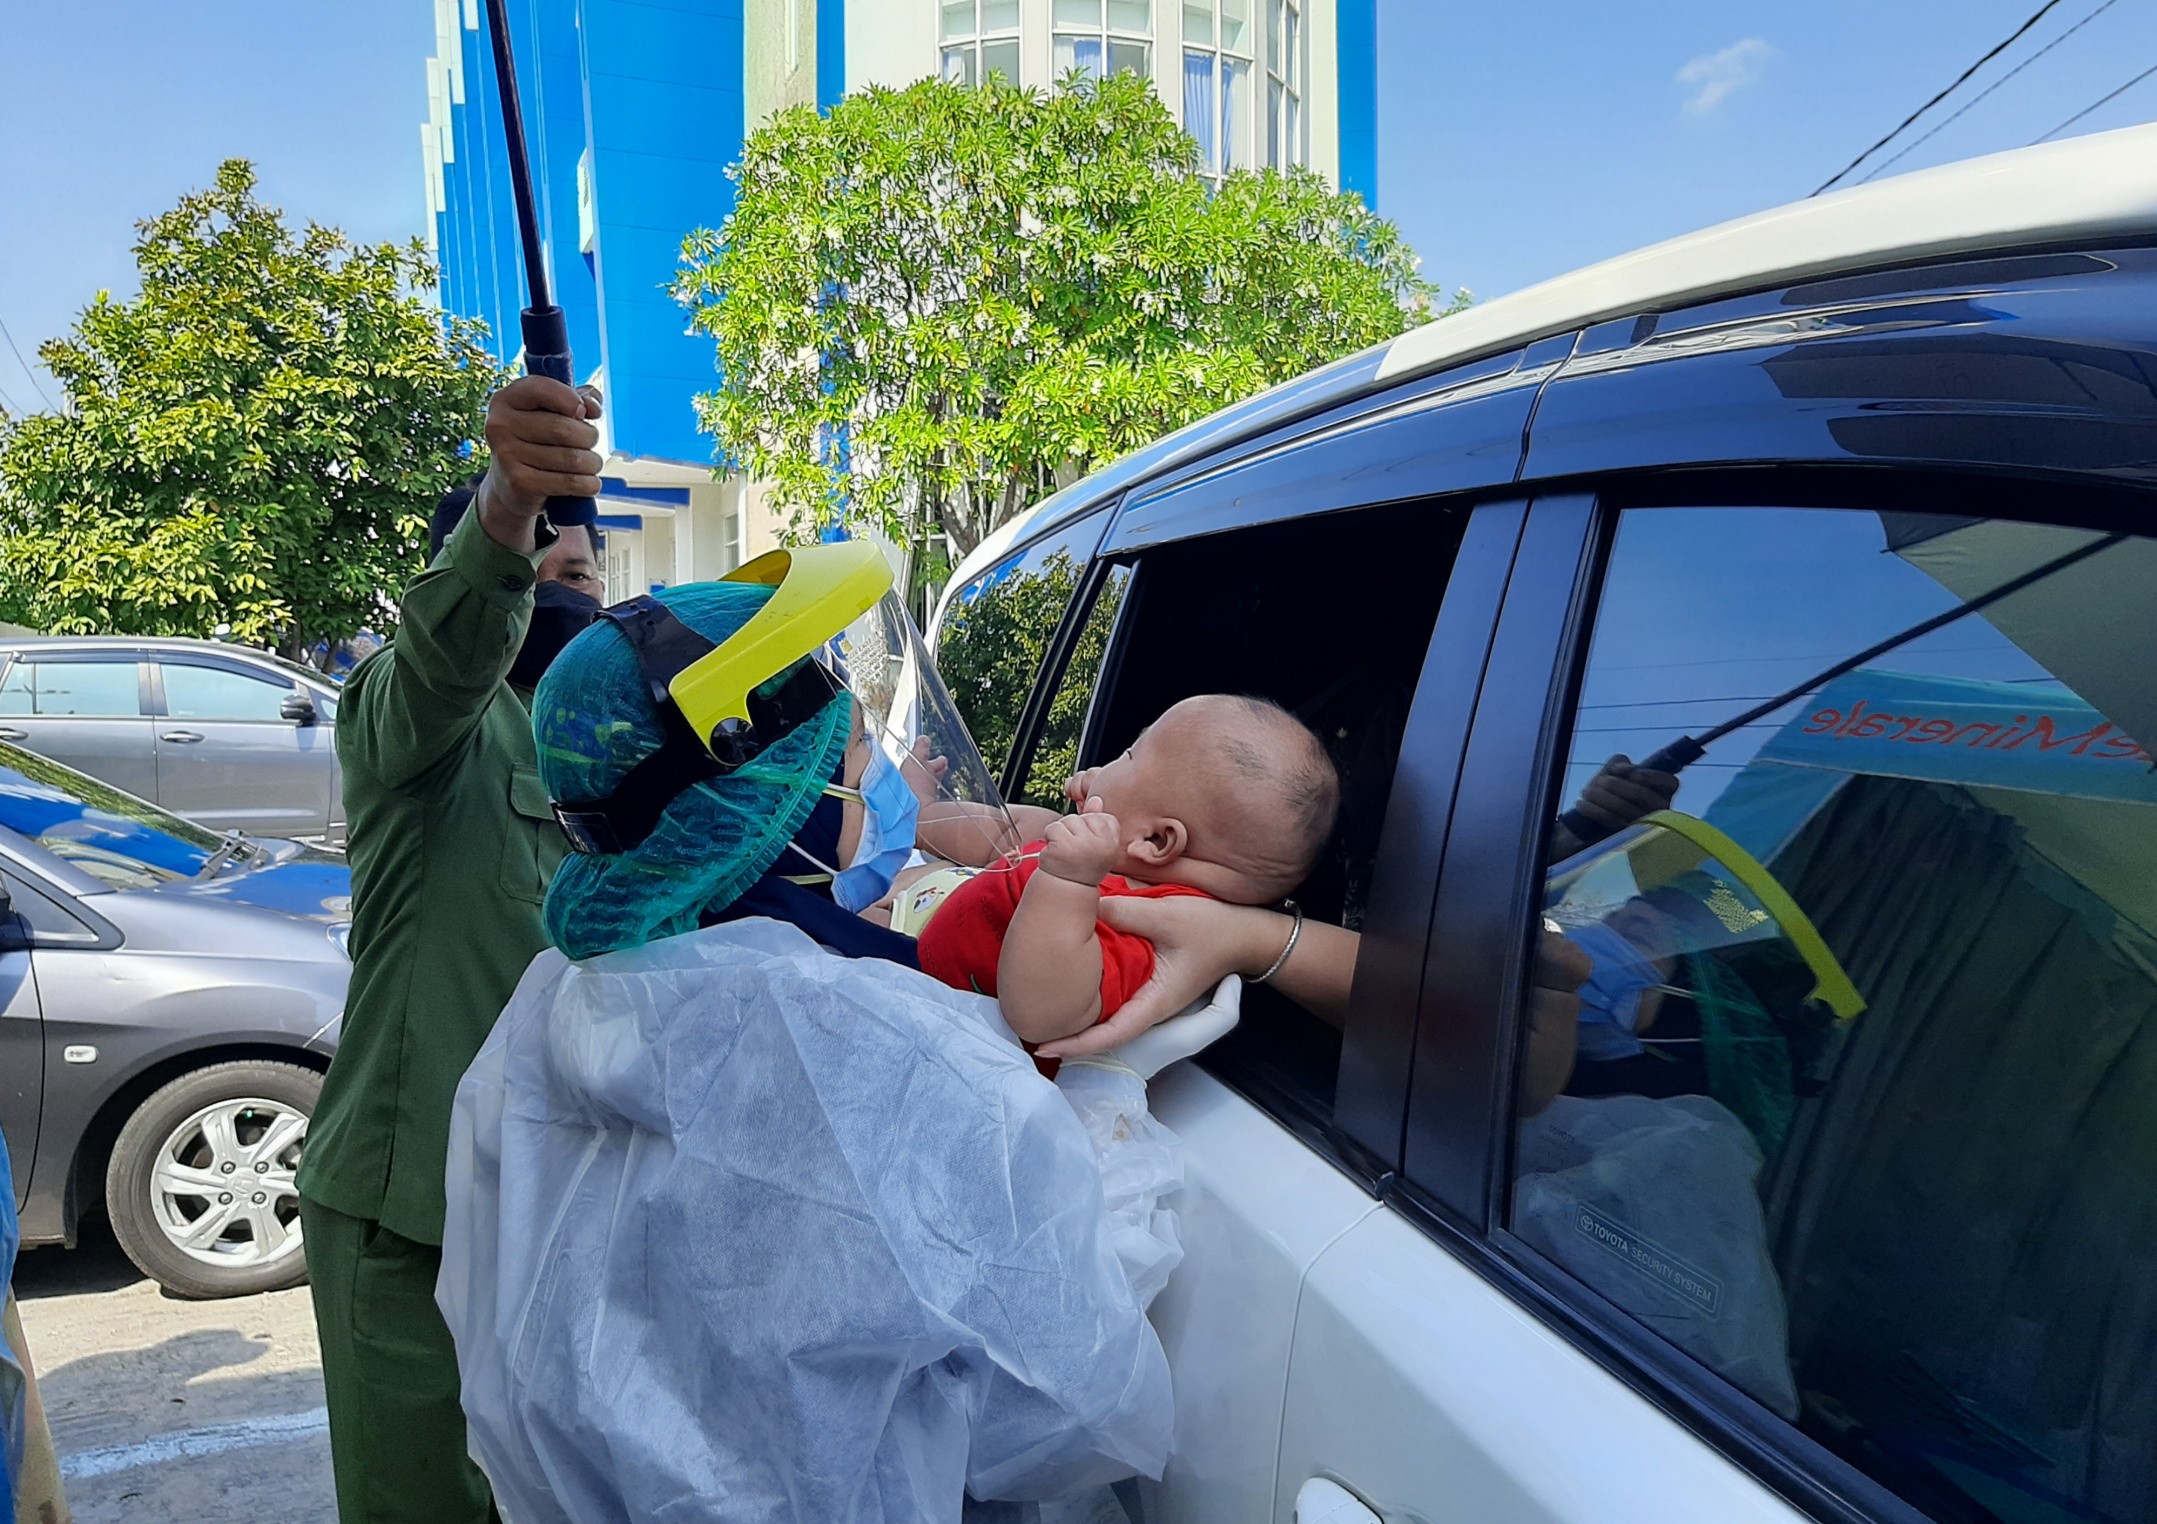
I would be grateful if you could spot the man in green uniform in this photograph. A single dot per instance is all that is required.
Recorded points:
(451, 845)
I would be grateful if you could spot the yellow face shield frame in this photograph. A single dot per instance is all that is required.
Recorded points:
(821, 589)
(716, 718)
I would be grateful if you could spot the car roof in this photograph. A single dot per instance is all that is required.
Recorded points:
(172, 645)
(2099, 187)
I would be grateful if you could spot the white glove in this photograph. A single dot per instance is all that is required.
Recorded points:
(1197, 1026)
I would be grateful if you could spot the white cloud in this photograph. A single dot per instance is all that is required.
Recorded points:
(1713, 76)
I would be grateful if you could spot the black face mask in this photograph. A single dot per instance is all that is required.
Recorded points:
(559, 615)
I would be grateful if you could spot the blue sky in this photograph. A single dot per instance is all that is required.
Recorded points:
(1521, 138)
(1517, 138)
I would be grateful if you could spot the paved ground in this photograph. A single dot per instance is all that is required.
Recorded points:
(172, 1412)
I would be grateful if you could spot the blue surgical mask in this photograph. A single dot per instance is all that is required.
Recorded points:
(890, 814)
(1619, 975)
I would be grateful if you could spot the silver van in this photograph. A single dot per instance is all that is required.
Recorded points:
(233, 738)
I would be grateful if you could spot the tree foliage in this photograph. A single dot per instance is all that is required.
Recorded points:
(255, 440)
(991, 646)
(933, 305)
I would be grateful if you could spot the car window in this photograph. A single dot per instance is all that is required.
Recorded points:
(46, 917)
(1330, 617)
(216, 693)
(114, 837)
(994, 636)
(104, 689)
(1855, 1111)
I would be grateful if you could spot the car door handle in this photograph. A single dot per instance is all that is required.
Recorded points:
(10, 733)
(1324, 1502)
(181, 737)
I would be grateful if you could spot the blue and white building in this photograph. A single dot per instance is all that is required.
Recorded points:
(634, 110)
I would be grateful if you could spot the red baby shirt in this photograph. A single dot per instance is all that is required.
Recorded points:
(963, 940)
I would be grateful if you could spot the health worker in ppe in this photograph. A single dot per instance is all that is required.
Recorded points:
(775, 744)
(451, 848)
(850, 1253)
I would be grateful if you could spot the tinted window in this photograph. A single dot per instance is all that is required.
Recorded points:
(1856, 1112)
(992, 640)
(213, 693)
(125, 841)
(85, 688)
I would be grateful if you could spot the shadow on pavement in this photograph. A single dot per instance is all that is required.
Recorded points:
(96, 1263)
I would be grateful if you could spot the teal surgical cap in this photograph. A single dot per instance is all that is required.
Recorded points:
(594, 719)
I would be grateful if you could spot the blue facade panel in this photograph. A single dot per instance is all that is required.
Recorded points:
(647, 96)
(554, 111)
(830, 53)
(1358, 57)
(665, 116)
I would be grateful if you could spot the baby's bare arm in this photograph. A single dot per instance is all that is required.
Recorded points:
(1048, 976)
(977, 835)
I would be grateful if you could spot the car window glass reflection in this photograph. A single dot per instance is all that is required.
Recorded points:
(114, 837)
(1856, 1113)
(991, 642)
(211, 693)
(106, 689)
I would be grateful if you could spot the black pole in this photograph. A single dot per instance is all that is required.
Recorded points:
(546, 329)
(1688, 749)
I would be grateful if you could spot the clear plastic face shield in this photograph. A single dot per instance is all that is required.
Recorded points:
(913, 791)
(917, 796)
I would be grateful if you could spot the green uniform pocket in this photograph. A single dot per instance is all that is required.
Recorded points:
(529, 855)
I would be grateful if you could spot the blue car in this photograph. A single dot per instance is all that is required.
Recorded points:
(1834, 1196)
(169, 1001)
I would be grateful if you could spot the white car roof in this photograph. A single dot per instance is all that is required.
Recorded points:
(2101, 186)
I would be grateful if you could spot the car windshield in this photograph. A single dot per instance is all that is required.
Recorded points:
(114, 837)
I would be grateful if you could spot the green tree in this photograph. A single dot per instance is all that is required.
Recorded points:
(254, 441)
(992, 645)
(934, 305)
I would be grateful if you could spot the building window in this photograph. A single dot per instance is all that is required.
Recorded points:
(1097, 38)
(1217, 82)
(1284, 83)
(981, 37)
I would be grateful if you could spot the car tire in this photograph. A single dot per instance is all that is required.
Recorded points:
(240, 1125)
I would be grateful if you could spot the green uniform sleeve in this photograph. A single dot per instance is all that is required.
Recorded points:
(459, 626)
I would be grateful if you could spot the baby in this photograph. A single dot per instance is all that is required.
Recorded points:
(1222, 796)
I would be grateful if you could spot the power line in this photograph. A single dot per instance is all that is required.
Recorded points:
(2100, 101)
(1881, 169)
(25, 364)
(2042, 12)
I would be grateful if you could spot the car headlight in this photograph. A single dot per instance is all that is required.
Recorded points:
(341, 934)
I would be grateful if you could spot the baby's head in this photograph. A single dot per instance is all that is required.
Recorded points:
(1233, 796)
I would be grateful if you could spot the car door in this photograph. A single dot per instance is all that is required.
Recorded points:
(1345, 571)
(86, 710)
(1840, 1209)
(229, 757)
(22, 1046)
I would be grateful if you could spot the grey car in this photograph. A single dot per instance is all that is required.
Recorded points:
(169, 1001)
(234, 738)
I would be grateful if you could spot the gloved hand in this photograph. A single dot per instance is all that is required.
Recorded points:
(1196, 1027)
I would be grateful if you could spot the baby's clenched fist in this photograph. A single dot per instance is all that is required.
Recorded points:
(1082, 848)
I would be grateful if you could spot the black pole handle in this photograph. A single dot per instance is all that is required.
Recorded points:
(546, 353)
(1674, 758)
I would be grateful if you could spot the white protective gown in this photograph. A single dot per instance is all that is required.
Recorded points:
(741, 1230)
